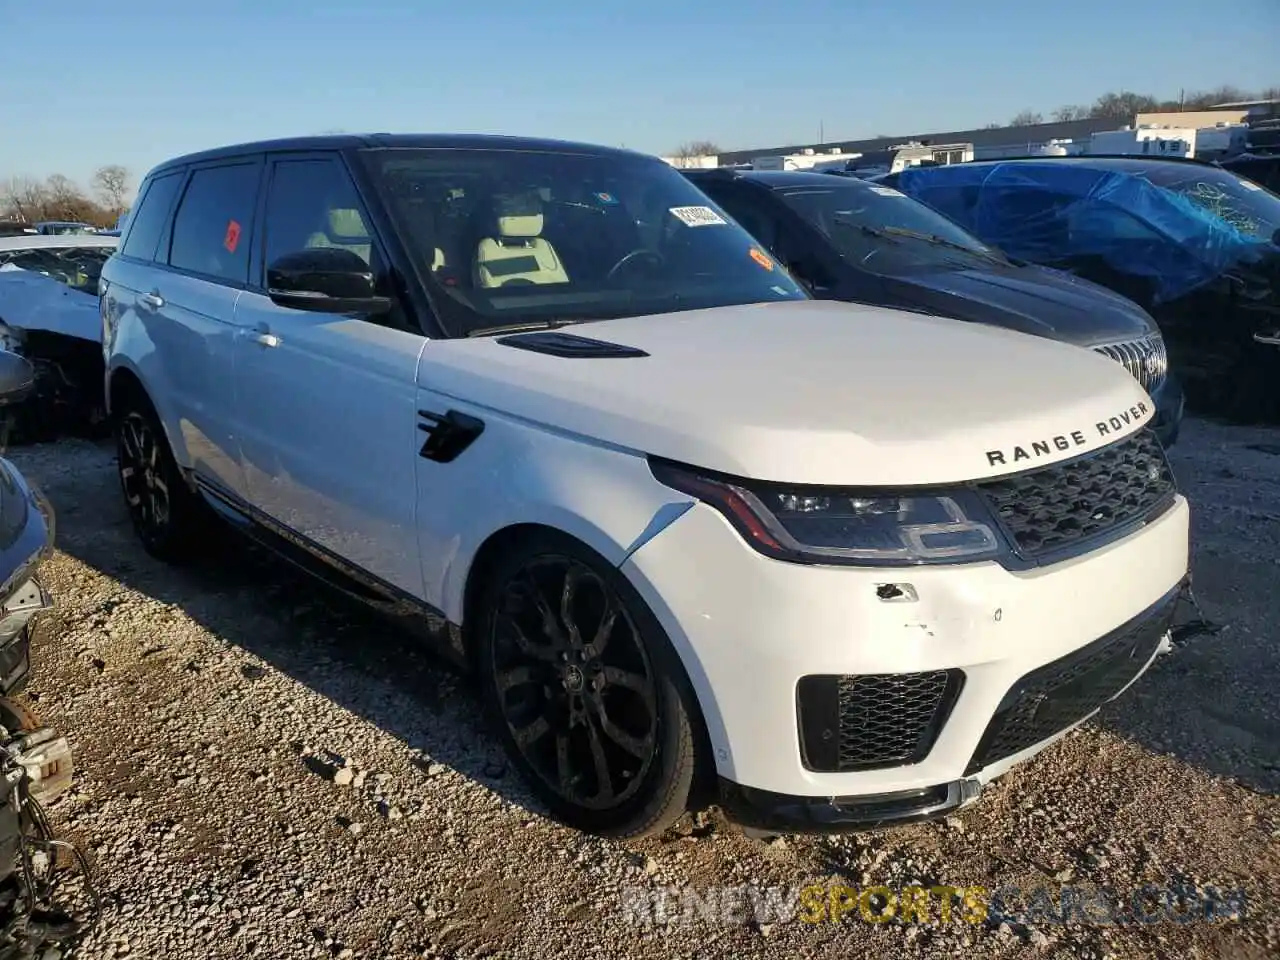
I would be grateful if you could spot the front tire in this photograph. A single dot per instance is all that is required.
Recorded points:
(587, 693)
(167, 515)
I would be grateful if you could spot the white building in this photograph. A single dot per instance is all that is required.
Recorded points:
(1220, 140)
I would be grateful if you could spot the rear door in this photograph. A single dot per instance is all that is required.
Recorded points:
(202, 269)
(329, 429)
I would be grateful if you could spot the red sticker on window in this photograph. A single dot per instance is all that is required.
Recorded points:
(232, 239)
(759, 257)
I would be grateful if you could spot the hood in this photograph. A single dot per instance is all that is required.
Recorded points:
(1030, 299)
(32, 301)
(808, 392)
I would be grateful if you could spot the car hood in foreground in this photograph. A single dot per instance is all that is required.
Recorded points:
(808, 392)
(1036, 300)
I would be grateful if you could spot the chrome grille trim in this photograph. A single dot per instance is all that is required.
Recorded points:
(1144, 358)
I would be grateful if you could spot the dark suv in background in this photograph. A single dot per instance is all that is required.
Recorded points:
(1196, 245)
(847, 239)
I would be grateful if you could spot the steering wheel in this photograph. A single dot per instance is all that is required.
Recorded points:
(654, 257)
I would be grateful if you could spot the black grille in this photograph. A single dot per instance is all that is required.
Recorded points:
(1053, 697)
(873, 720)
(1078, 501)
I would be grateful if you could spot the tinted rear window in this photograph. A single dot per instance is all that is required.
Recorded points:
(150, 216)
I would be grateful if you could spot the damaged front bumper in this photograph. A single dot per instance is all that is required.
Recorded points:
(1089, 679)
(26, 540)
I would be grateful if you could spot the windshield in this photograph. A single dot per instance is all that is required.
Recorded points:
(77, 267)
(65, 229)
(1242, 204)
(522, 236)
(886, 231)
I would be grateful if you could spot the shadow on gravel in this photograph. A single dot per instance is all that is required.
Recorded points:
(1212, 703)
(343, 651)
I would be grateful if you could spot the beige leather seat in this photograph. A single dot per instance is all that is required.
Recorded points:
(348, 225)
(518, 254)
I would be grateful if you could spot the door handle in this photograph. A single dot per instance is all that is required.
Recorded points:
(1272, 339)
(152, 300)
(264, 337)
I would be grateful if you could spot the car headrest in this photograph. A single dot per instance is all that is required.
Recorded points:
(519, 216)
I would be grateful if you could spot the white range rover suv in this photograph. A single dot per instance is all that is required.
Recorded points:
(700, 538)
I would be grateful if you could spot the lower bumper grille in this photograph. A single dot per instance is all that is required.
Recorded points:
(1053, 697)
(871, 721)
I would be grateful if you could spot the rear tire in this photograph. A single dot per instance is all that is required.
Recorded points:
(587, 693)
(168, 516)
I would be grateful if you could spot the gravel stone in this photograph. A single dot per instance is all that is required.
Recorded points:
(197, 798)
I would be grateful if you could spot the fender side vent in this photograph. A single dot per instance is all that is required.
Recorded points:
(556, 344)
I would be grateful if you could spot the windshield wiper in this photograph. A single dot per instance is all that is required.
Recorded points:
(893, 233)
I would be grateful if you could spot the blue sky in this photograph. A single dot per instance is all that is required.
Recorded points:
(136, 81)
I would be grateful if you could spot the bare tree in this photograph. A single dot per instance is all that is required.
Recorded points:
(1203, 100)
(686, 153)
(1070, 112)
(1027, 118)
(24, 198)
(111, 183)
(1123, 106)
(65, 198)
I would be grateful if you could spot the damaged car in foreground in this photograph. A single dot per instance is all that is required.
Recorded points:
(26, 539)
(699, 537)
(49, 314)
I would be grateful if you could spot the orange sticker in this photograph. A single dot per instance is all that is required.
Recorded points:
(232, 239)
(761, 259)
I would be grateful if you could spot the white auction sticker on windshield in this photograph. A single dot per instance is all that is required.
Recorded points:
(697, 216)
(887, 192)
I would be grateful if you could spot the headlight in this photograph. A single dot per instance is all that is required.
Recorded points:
(849, 526)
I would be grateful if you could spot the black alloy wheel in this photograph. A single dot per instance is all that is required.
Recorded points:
(583, 683)
(168, 516)
(146, 488)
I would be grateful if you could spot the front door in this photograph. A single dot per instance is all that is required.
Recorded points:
(329, 436)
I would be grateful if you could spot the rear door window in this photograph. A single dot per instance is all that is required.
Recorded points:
(148, 220)
(211, 229)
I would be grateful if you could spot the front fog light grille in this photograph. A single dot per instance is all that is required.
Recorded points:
(871, 721)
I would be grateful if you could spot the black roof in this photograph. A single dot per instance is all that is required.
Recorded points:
(354, 141)
(774, 179)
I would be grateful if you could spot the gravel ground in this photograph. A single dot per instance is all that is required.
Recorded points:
(264, 771)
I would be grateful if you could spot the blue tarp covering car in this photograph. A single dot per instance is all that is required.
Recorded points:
(1196, 245)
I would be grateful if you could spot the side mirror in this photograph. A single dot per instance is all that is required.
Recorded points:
(17, 378)
(324, 280)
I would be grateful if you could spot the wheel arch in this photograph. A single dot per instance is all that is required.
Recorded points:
(702, 705)
(125, 384)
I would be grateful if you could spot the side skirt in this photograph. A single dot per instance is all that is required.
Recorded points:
(413, 614)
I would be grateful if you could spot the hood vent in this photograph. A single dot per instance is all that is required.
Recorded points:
(556, 344)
